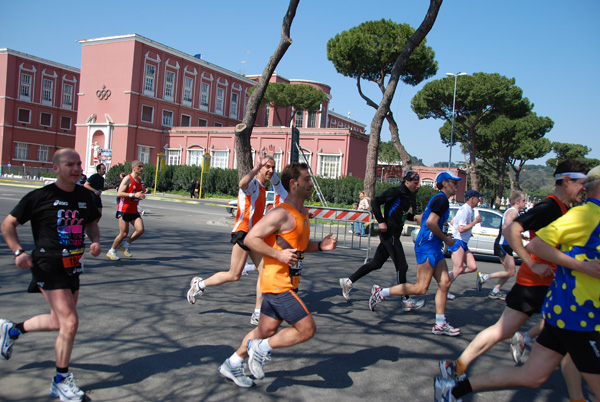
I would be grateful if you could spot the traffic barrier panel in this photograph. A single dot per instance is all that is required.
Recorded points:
(339, 221)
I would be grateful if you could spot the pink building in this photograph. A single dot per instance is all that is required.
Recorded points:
(139, 98)
(38, 108)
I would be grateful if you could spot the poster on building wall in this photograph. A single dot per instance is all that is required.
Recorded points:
(105, 155)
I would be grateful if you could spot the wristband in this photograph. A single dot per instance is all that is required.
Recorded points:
(319, 246)
(130, 195)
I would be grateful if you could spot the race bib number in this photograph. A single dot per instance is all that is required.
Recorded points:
(73, 261)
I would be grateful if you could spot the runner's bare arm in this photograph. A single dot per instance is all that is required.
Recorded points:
(9, 231)
(277, 221)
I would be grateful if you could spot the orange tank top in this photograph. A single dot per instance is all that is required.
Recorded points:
(526, 276)
(276, 276)
(251, 206)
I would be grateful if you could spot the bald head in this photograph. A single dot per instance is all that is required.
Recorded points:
(62, 153)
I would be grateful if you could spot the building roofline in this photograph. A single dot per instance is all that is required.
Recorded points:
(309, 82)
(341, 116)
(39, 59)
(150, 42)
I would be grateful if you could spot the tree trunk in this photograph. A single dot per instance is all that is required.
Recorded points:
(388, 96)
(404, 156)
(473, 161)
(243, 131)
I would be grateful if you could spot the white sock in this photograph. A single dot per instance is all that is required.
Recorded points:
(124, 244)
(235, 360)
(201, 285)
(264, 346)
(257, 311)
(249, 267)
(527, 338)
(385, 292)
(496, 290)
(485, 277)
(112, 250)
(440, 319)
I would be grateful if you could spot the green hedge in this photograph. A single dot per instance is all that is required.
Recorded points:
(338, 192)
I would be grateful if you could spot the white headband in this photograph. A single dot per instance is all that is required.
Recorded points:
(572, 175)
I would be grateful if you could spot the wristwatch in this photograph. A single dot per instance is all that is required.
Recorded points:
(19, 252)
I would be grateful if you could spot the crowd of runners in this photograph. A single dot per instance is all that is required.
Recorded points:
(559, 276)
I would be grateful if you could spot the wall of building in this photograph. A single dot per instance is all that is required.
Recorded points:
(40, 122)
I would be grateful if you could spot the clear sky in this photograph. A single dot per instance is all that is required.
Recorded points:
(551, 48)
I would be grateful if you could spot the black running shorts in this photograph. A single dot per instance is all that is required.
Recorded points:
(583, 346)
(238, 238)
(128, 217)
(526, 299)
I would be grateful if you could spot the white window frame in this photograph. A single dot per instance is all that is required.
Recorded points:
(21, 150)
(173, 156)
(26, 86)
(204, 95)
(143, 153)
(195, 156)
(219, 158)
(308, 155)
(267, 112)
(220, 101)
(167, 118)
(51, 117)
(312, 120)
(149, 78)
(299, 119)
(329, 169)
(47, 91)
(278, 158)
(189, 118)
(43, 153)
(19, 113)
(170, 79)
(70, 122)
(188, 90)
(152, 114)
(233, 106)
(67, 98)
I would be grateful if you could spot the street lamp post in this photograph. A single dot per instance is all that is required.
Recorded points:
(453, 108)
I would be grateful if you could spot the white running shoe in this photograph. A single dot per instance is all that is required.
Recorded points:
(443, 390)
(194, 290)
(236, 374)
(445, 329)
(254, 318)
(412, 303)
(6, 342)
(479, 281)
(125, 251)
(450, 296)
(376, 297)
(517, 347)
(346, 286)
(113, 255)
(257, 358)
(66, 389)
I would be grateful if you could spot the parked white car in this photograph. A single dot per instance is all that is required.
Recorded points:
(232, 205)
(483, 234)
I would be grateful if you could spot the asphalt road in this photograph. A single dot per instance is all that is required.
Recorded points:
(139, 339)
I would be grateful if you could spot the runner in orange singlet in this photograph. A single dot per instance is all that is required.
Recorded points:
(282, 237)
(251, 206)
